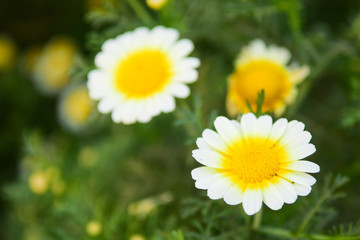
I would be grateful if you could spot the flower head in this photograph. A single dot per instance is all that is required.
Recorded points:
(39, 182)
(93, 228)
(139, 73)
(75, 108)
(156, 4)
(260, 67)
(51, 69)
(255, 161)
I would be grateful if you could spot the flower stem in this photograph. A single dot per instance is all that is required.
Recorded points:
(311, 213)
(140, 11)
(257, 220)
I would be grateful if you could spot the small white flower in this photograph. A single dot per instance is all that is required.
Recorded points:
(255, 161)
(260, 67)
(140, 72)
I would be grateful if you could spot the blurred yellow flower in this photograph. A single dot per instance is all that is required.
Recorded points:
(51, 69)
(39, 182)
(143, 207)
(7, 53)
(137, 237)
(75, 107)
(156, 4)
(88, 157)
(93, 228)
(260, 67)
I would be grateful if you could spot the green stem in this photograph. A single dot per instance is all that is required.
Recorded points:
(257, 220)
(311, 213)
(140, 11)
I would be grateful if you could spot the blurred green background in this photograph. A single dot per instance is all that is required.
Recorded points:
(323, 34)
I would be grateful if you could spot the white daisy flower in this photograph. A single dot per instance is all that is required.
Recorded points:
(255, 161)
(260, 67)
(139, 73)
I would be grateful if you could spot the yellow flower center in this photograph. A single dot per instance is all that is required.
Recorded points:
(251, 78)
(156, 4)
(78, 106)
(143, 73)
(253, 160)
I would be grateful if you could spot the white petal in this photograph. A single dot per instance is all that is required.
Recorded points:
(272, 197)
(141, 113)
(167, 103)
(125, 42)
(233, 196)
(257, 48)
(181, 49)
(105, 61)
(140, 36)
(124, 113)
(297, 74)
(302, 138)
(300, 177)
(279, 54)
(205, 183)
(189, 76)
(163, 37)
(252, 200)
(107, 104)
(237, 125)
(278, 129)
(152, 107)
(294, 128)
(302, 190)
(263, 126)
(287, 190)
(219, 188)
(207, 157)
(248, 122)
(302, 151)
(303, 166)
(200, 142)
(226, 130)
(214, 140)
(187, 64)
(170, 36)
(202, 172)
(179, 90)
(98, 84)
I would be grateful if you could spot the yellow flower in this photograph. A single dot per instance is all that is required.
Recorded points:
(255, 161)
(93, 228)
(39, 182)
(51, 70)
(140, 73)
(88, 157)
(156, 4)
(75, 107)
(137, 237)
(144, 207)
(7, 53)
(260, 67)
